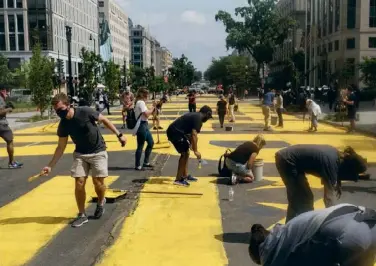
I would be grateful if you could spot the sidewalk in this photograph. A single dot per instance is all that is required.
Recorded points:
(367, 118)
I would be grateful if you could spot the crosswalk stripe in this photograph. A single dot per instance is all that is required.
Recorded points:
(31, 221)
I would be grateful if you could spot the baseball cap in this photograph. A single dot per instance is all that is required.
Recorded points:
(206, 110)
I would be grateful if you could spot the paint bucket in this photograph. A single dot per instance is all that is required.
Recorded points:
(258, 169)
(274, 120)
(229, 128)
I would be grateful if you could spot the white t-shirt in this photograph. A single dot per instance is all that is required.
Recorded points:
(140, 108)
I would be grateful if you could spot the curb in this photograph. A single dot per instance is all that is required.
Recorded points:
(365, 132)
(34, 124)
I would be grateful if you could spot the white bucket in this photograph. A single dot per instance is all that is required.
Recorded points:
(258, 169)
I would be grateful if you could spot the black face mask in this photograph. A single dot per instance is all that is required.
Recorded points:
(62, 113)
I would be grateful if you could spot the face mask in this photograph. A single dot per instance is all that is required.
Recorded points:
(62, 113)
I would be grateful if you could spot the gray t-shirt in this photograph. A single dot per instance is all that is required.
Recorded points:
(83, 130)
(3, 118)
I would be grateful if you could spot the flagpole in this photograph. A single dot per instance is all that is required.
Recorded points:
(305, 44)
(315, 44)
(310, 42)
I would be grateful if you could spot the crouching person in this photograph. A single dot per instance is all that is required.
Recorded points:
(241, 160)
(342, 235)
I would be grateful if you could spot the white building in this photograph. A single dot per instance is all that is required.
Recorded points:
(25, 21)
(117, 21)
(142, 44)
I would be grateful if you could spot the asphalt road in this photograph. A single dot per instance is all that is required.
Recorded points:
(157, 223)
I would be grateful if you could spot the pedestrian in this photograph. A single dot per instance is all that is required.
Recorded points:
(350, 101)
(267, 104)
(314, 111)
(80, 124)
(99, 100)
(183, 134)
(279, 108)
(221, 109)
(6, 132)
(231, 106)
(106, 102)
(340, 235)
(157, 112)
(127, 100)
(324, 161)
(192, 101)
(241, 160)
(142, 130)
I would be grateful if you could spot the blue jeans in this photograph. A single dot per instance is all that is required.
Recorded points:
(144, 135)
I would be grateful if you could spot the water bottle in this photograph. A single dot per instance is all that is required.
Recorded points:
(231, 194)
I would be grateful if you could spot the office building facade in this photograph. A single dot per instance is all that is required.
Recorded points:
(141, 45)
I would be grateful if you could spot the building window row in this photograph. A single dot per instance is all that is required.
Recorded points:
(10, 3)
(372, 13)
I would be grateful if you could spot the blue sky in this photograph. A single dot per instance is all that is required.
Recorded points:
(184, 26)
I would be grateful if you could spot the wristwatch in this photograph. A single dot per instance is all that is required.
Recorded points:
(120, 135)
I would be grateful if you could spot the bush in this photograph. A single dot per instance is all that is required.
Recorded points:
(35, 118)
(368, 94)
(336, 117)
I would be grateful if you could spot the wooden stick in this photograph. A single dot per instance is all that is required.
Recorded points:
(34, 177)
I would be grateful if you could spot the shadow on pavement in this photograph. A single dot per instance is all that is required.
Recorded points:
(38, 220)
(353, 189)
(242, 238)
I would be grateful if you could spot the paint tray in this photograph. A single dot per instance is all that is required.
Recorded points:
(112, 195)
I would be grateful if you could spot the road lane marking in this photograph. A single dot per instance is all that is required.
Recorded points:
(171, 230)
(30, 222)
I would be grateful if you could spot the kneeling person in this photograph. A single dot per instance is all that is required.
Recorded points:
(241, 160)
(182, 133)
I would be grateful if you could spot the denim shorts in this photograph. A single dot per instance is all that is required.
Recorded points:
(238, 168)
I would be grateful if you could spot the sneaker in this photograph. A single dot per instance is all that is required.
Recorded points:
(148, 165)
(191, 178)
(183, 183)
(99, 211)
(15, 165)
(139, 168)
(80, 220)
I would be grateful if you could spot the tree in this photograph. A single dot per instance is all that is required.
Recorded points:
(21, 75)
(89, 76)
(347, 72)
(137, 76)
(6, 74)
(368, 68)
(197, 76)
(182, 71)
(112, 80)
(217, 72)
(39, 80)
(258, 31)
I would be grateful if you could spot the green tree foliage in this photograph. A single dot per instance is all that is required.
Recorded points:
(137, 76)
(89, 76)
(217, 72)
(182, 72)
(368, 68)
(6, 74)
(258, 30)
(111, 77)
(39, 79)
(197, 76)
(347, 72)
(21, 75)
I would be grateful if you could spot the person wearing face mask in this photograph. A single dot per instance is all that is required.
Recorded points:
(5, 131)
(80, 124)
(182, 133)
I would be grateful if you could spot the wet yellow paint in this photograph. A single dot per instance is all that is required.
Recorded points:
(171, 230)
(31, 221)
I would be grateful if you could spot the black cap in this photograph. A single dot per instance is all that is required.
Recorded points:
(206, 110)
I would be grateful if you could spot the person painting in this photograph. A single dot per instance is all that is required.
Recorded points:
(340, 235)
(192, 101)
(183, 134)
(221, 109)
(267, 104)
(350, 101)
(80, 124)
(127, 99)
(324, 161)
(6, 132)
(142, 129)
(279, 107)
(314, 111)
(241, 160)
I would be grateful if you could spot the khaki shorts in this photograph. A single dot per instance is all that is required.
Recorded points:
(96, 162)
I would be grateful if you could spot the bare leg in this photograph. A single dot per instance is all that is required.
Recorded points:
(10, 150)
(100, 189)
(80, 193)
(183, 166)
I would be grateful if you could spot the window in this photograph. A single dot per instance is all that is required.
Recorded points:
(137, 41)
(372, 13)
(137, 57)
(372, 42)
(1, 3)
(137, 33)
(10, 4)
(11, 23)
(350, 43)
(337, 15)
(336, 45)
(331, 16)
(20, 24)
(12, 42)
(330, 48)
(101, 4)
(2, 25)
(137, 49)
(2, 42)
(19, 3)
(351, 14)
(21, 42)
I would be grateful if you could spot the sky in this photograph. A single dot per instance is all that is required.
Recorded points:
(184, 26)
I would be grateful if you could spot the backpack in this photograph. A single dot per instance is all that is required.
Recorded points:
(131, 120)
(223, 171)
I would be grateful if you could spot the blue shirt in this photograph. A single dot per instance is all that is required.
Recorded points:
(268, 99)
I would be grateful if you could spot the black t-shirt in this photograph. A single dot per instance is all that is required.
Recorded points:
(83, 130)
(351, 107)
(318, 160)
(242, 153)
(184, 125)
(221, 105)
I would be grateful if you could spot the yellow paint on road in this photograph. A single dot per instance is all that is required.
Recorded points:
(170, 231)
(31, 221)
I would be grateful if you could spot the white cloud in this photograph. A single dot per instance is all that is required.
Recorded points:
(191, 16)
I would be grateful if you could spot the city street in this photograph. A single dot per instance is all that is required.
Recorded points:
(164, 224)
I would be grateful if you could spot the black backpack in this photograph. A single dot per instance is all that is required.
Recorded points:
(223, 171)
(131, 120)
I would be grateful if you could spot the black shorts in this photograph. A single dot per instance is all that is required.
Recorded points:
(351, 114)
(180, 142)
(6, 133)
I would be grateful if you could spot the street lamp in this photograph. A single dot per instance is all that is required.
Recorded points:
(68, 33)
(125, 74)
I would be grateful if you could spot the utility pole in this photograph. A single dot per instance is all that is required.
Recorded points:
(305, 44)
(125, 74)
(68, 32)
